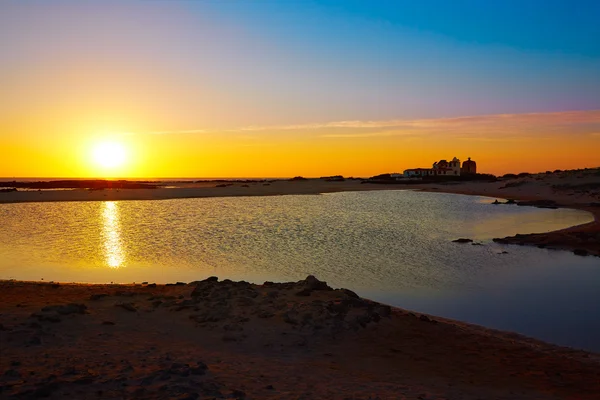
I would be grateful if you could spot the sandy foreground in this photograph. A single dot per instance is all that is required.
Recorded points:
(300, 340)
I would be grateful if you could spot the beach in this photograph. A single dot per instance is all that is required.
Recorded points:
(301, 340)
(211, 339)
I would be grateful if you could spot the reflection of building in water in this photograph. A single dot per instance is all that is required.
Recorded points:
(113, 248)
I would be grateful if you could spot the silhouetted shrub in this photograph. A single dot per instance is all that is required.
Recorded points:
(381, 177)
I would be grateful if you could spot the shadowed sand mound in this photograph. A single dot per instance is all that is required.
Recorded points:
(301, 340)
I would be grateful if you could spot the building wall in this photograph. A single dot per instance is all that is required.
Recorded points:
(469, 167)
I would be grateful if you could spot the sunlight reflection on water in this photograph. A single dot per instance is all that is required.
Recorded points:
(113, 247)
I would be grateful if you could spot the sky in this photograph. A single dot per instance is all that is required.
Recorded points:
(285, 88)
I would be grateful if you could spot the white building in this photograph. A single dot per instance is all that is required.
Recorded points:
(440, 168)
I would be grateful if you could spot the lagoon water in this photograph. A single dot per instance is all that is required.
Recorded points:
(390, 246)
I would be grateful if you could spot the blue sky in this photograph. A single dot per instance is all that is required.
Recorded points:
(280, 62)
(431, 58)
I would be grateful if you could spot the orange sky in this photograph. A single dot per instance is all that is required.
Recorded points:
(499, 143)
(200, 89)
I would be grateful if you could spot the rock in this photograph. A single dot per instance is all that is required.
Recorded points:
(35, 341)
(384, 310)
(200, 291)
(510, 201)
(151, 285)
(304, 292)
(127, 306)
(496, 202)
(539, 203)
(199, 369)
(12, 373)
(46, 317)
(462, 240)
(476, 244)
(238, 394)
(107, 323)
(265, 314)
(313, 283)
(363, 320)
(269, 387)
(425, 318)
(98, 296)
(581, 252)
(245, 301)
(187, 396)
(85, 380)
(233, 328)
(231, 337)
(71, 308)
(179, 369)
(45, 390)
(349, 293)
(290, 317)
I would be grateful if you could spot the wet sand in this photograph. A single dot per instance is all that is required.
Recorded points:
(299, 340)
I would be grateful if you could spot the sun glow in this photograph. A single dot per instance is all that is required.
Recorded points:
(109, 155)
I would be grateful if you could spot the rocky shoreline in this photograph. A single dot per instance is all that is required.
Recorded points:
(215, 339)
(582, 240)
(576, 189)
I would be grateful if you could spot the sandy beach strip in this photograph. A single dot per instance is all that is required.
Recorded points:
(298, 340)
(197, 190)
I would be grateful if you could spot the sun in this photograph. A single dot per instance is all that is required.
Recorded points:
(109, 155)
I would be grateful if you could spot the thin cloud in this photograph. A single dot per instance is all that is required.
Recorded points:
(379, 133)
(181, 131)
(576, 121)
(563, 117)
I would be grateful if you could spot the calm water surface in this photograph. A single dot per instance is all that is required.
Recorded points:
(391, 246)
